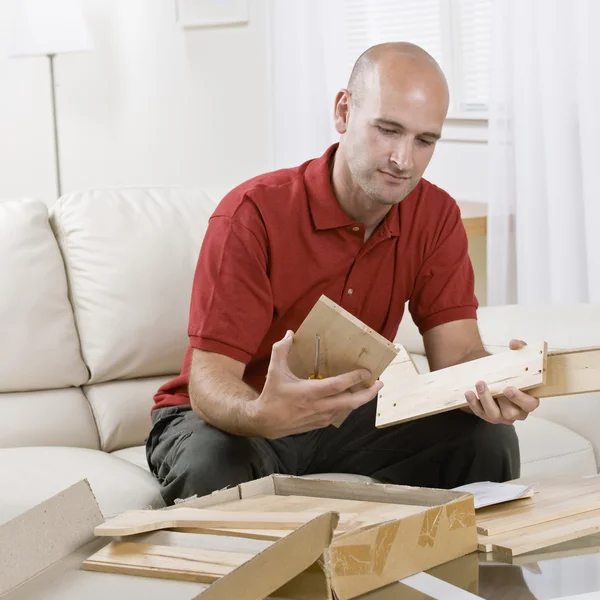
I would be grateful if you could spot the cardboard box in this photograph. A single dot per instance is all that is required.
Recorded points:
(41, 551)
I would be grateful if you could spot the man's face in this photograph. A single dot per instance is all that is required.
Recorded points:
(390, 135)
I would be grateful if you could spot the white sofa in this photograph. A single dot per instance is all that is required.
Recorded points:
(93, 318)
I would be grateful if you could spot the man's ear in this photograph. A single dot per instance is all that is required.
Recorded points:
(341, 113)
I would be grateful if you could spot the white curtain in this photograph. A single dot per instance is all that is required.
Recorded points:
(544, 136)
(308, 67)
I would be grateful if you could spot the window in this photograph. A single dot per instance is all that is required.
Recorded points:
(457, 33)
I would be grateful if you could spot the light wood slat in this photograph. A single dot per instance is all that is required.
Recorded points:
(166, 562)
(368, 513)
(546, 493)
(407, 396)
(532, 538)
(251, 534)
(539, 512)
(141, 521)
(570, 372)
(346, 344)
(347, 509)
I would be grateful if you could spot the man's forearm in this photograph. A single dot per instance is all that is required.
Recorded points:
(223, 400)
(474, 355)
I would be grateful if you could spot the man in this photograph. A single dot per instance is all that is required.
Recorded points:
(361, 226)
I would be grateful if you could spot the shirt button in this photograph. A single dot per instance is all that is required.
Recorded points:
(356, 229)
(350, 290)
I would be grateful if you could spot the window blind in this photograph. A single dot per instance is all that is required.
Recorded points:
(455, 32)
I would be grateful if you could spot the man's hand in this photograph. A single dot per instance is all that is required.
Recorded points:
(289, 405)
(514, 405)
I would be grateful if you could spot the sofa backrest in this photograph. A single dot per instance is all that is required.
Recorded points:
(40, 360)
(103, 286)
(130, 255)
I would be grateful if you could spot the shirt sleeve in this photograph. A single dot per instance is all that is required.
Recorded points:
(232, 305)
(445, 287)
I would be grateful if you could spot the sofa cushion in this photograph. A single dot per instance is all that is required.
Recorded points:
(549, 449)
(47, 418)
(130, 256)
(135, 455)
(562, 326)
(32, 475)
(122, 410)
(39, 347)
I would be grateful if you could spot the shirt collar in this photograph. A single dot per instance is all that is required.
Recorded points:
(325, 209)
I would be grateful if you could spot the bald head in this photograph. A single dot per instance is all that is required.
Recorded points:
(397, 63)
(389, 120)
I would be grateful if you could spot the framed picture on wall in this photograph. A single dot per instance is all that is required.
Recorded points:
(211, 13)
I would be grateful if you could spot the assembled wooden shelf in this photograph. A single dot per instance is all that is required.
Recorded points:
(347, 344)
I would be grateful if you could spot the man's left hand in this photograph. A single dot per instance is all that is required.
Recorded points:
(514, 405)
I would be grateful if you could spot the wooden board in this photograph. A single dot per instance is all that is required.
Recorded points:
(570, 372)
(141, 521)
(553, 499)
(539, 511)
(346, 344)
(288, 564)
(528, 539)
(407, 395)
(364, 512)
(166, 562)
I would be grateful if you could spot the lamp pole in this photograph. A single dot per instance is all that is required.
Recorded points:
(55, 127)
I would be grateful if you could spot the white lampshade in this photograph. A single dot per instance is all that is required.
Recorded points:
(49, 27)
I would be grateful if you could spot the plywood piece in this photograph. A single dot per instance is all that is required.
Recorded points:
(532, 538)
(166, 562)
(570, 372)
(346, 344)
(142, 521)
(408, 395)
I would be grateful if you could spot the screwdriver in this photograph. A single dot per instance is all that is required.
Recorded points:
(316, 374)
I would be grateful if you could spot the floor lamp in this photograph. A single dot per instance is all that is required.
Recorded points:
(48, 28)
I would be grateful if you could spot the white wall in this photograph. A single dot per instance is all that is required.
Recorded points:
(26, 151)
(153, 104)
(156, 104)
(460, 168)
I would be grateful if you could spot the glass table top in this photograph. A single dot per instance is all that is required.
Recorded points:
(561, 571)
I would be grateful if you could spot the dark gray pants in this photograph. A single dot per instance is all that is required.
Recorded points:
(189, 457)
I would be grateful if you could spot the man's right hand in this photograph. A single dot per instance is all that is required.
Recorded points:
(290, 405)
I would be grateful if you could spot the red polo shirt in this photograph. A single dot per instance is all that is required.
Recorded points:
(277, 242)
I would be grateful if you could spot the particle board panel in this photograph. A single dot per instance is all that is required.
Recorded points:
(407, 396)
(346, 344)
